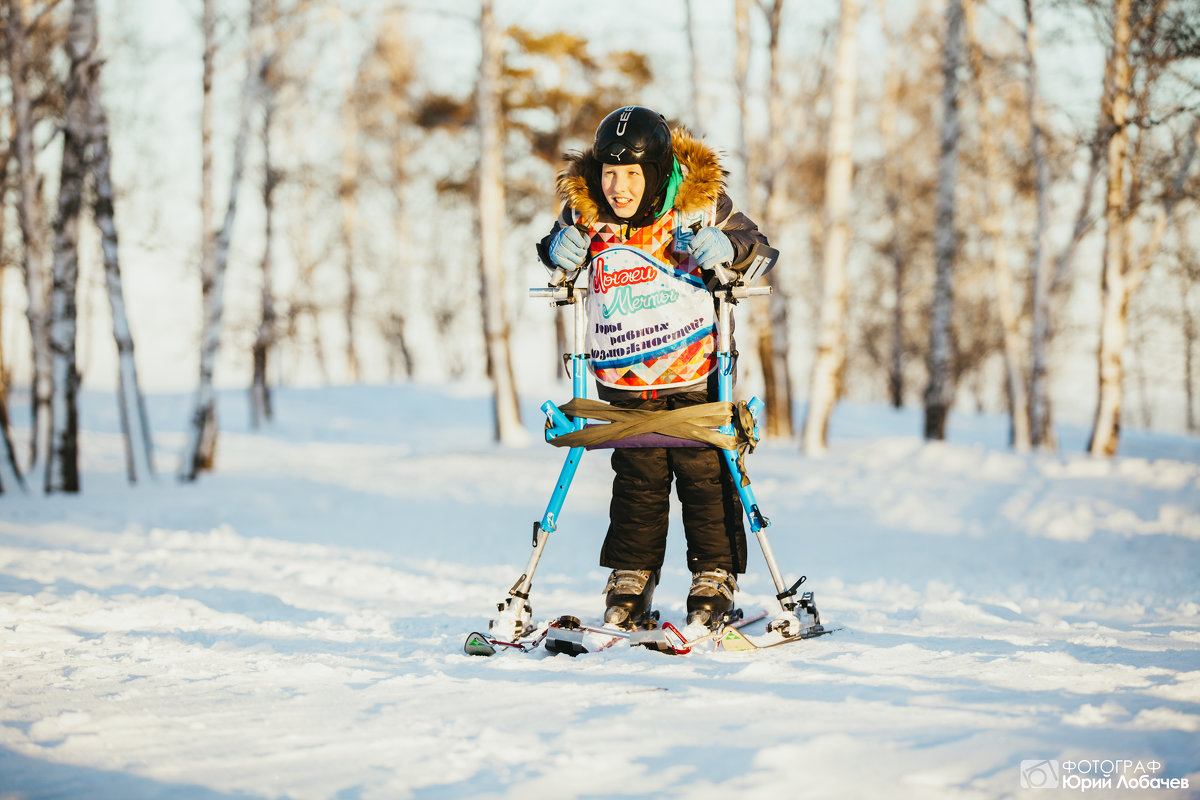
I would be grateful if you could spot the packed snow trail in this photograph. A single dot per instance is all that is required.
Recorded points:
(292, 625)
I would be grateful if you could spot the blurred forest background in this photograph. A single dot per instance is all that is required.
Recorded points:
(981, 205)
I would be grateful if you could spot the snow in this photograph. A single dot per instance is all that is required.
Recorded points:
(291, 625)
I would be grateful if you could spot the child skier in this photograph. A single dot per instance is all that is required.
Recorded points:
(647, 205)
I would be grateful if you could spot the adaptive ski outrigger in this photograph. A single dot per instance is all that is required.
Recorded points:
(732, 428)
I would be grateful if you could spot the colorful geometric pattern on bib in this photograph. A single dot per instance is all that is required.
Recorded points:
(689, 365)
(656, 239)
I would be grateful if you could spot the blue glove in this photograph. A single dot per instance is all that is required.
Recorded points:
(568, 248)
(711, 249)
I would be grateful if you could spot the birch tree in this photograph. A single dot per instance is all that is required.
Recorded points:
(384, 109)
(491, 207)
(62, 463)
(10, 468)
(892, 190)
(135, 422)
(1189, 279)
(35, 258)
(749, 363)
(906, 180)
(1039, 431)
(264, 338)
(1124, 270)
(1041, 411)
(827, 374)
(993, 228)
(1122, 277)
(200, 449)
(1114, 289)
(773, 338)
(939, 392)
(348, 188)
(278, 31)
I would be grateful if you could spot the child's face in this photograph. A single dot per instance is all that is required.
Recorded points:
(623, 187)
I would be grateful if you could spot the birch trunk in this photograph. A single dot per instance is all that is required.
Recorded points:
(36, 265)
(939, 393)
(406, 274)
(62, 463)
(830, 363)
(748, 324)
(200, 450)
(773, 339)
(10, 470)
(1006, 304)
(1115, 290)
(201, 444)
(508, 428)
(1106, 432)
(260, 390)
(348, 198)
(135, 423)
(5, 158)
(1191, 328)
(893, 181)
(207, 213)
(1041, 429)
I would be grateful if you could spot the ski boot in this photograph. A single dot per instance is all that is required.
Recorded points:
(710, 600)
(628, 595)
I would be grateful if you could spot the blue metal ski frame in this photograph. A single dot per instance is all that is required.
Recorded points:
(515, 613)
(560, 423)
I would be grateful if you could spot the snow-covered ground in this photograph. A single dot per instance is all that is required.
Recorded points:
(291, 626)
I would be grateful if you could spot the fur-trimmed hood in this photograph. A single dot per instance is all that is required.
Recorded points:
(703, 178)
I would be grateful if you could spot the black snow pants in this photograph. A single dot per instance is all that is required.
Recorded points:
(638, 515)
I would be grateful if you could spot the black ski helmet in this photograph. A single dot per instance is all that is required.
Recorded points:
(637, 135)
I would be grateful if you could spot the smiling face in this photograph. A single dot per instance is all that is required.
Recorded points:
(623, 186)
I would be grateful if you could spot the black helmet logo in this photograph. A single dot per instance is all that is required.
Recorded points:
(623, 120)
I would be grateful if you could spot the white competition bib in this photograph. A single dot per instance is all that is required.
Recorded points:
(650, 324)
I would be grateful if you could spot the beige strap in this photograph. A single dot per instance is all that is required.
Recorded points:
(694, 423)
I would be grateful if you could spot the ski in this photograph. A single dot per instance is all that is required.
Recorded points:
(570, 636)
(482, 644)
(734, 641)
(733, 621)
(564, 634)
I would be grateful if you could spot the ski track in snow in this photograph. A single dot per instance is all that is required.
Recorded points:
(291, 625)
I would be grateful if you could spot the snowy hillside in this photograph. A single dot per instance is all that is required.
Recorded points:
(292, 625)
